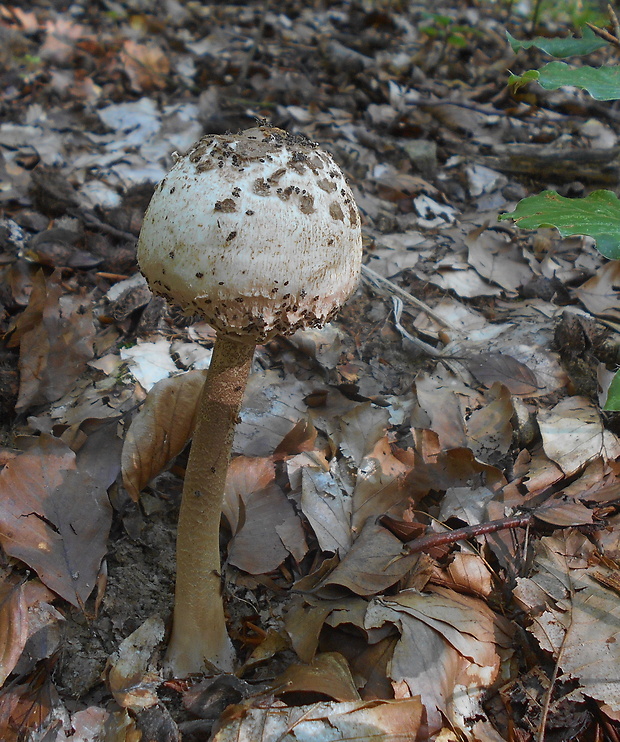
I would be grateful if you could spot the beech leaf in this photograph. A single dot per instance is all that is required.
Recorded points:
(55, 518)
(161, 429)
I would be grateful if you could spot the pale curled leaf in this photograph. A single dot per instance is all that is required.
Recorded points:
(128, 673)
(328, 509)
(573, 434)
(161, 429)
(447, 652)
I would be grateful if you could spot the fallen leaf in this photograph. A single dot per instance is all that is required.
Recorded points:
(55, 518)
(328, 509)
(599, 294)
(360, 430)
(447, 652)
(13, 625)
(490, 368)
(161, 429)
(575, 616)
(374, 562)
(129, 676)
(55, 336)
(270, 528)
(573, 434)
(327, 675)
(146, 65)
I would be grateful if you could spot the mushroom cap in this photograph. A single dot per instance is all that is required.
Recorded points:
(258, 232)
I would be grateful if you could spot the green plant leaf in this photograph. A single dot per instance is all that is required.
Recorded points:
(613, 394)
(603, 83)
(561, 48)
(518, 81)
(597, 215)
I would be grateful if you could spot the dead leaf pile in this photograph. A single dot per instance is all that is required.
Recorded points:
(420, 531)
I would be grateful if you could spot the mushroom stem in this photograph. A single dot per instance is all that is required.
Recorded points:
(199, 636)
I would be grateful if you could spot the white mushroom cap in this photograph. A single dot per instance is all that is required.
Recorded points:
(257, 231)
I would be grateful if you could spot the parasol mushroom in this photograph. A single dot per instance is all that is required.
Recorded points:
(258, 233)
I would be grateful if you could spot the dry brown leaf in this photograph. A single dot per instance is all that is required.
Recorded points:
(466, 572)
(146, 66)
(327, 506)
(443, 407)
(13, 625)
(561, 510)
(373, 563)
(490, 368)
(304, 620)
(360, 430)
(161, 429)
(246, 474)
(55, 335)
(380, 484)
(55, 518)
(271, 409)
(447, 652)
(489, 428)
(327, 675)
(490, 254)
(269, 530)
(25, 708)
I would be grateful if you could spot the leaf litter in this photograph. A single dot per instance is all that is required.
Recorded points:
(420, 523)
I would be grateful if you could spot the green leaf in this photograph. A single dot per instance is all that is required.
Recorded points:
(518, 81)
(597, 215)
(613, 394)
(603, 83)
(561, 48)
(457, 41)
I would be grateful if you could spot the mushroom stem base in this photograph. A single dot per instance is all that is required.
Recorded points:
(199, 636)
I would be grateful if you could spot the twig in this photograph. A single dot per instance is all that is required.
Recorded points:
(610, 38)
(613, 18)
(463, 534)
(374, 278)
(92, 222)
(604, 34)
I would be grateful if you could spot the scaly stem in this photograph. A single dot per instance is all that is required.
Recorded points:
(199, 629)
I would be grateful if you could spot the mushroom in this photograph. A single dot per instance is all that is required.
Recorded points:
(258, 233)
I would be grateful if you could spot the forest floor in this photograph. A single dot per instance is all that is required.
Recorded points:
(355, 608)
